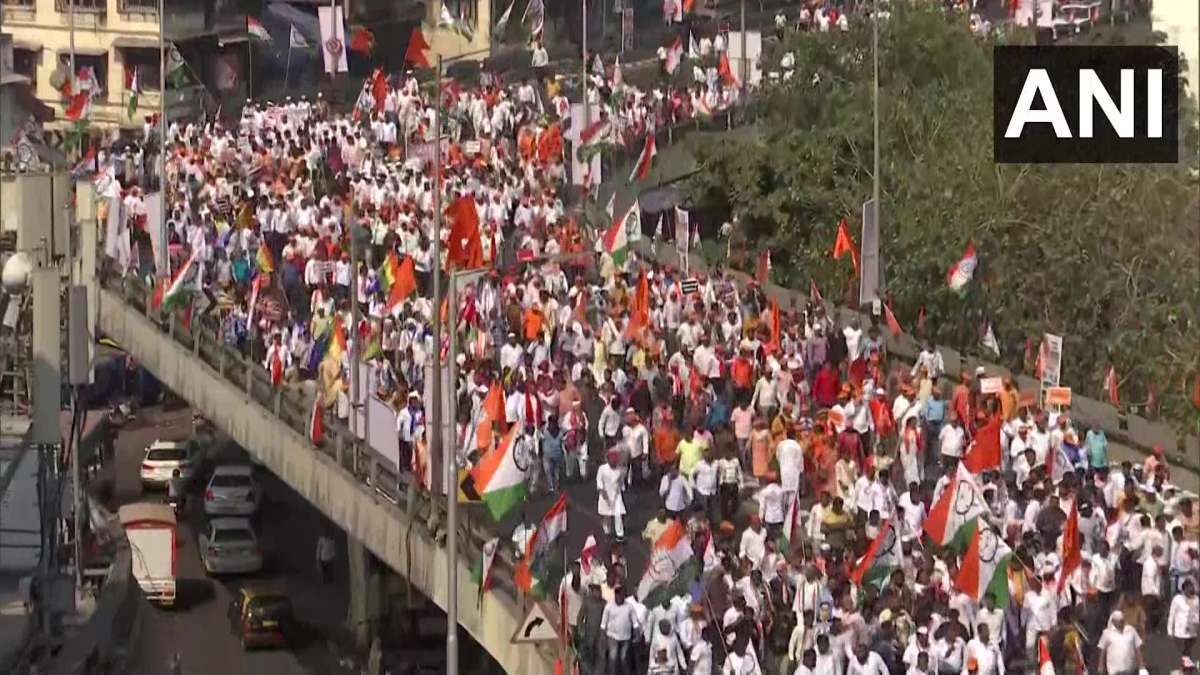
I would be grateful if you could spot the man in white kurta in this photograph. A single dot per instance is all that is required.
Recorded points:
(610, 506)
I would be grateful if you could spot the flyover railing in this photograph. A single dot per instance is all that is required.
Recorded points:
(291, 407)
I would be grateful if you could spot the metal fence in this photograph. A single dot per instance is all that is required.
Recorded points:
(291, 407)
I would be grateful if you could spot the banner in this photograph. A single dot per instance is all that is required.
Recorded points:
(1052, 349)
(333, 39)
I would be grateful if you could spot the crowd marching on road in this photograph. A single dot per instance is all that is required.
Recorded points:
(819, 508)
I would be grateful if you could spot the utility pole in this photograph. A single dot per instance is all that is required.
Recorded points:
(435, 415)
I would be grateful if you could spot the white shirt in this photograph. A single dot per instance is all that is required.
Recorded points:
(1120, 649)
(951, 440)
(753, 546)
(987, 656)
(873, 665)
(1183, 620)
(619, 621)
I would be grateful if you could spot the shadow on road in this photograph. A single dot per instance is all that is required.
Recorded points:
(192, 593)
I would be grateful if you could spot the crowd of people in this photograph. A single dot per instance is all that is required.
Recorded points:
(793, 452)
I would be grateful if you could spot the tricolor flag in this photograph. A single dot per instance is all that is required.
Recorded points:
(958, 506)
(963, 271)
(616, 240)
(554, 523)
(316, 422)
(79, 105)
(984, 570)
(296, 40)
(674, 56)
(482, 574)
(176, 293)
(672, 562)
(642, 168)
(133, 88)
(499, 480)
(256, 30)
(1110, 386)
(882, 556)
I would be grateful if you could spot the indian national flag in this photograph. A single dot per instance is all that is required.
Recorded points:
(616, 240)
(133, 87)
(256, 30)
(499, 480)
(963, 271)
(642, 168)
(984, 570)
(674, 56)
(882, 556)
(958, 506)
(177, 292)
(672, 562)
(596, 133)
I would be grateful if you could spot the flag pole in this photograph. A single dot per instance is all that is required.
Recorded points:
(287, 73)
(162, 118)
(436, 386)
(451, 461)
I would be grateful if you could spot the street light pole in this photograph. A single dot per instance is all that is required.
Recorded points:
(584, 82)
(745, 65)
(875, 103)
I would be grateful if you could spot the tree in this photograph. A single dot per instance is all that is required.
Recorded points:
(1105, 256)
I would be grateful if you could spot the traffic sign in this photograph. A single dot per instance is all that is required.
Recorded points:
(538, 626)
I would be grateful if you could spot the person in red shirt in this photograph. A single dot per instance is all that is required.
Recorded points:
(960, 402)
(826, 386)
(742, 373)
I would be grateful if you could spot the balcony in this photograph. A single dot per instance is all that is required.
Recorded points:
(148, 7)
(94, 7)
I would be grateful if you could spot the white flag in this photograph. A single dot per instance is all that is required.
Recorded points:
(333, 39)
(989, 340)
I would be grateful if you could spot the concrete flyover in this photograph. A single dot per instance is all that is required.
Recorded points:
(345, 480)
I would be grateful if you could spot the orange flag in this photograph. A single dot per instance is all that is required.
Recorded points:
(726, 72)
(639, 309)
(415, 53)
(892, 324)
(464, 228)
(405, 283)
(550, 145)
(845, 244)
(1072, 555)
(984, 453)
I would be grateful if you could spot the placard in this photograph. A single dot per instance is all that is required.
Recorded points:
(991, 385)
(1059, 396)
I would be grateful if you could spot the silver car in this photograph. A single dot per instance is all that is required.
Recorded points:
(229, 546)
(232, 491)
(162, 459)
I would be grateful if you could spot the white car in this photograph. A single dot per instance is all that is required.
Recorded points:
(232, 491)
(161, 460)
(229, 546)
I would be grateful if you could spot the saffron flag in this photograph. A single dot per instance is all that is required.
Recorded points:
(645, 160)
(397, 279)
(362, 40)
(892, 324)
(726, 71)
(984, 452)
(466, 248)
(1072, 553)
(417, 46)
(499, 480)
(1110, 386)
(639, 309)
(263, 259)
(882, 556)
(963, 271)
(959, 504)
(845, 244)
(337, 341)
(984, 570)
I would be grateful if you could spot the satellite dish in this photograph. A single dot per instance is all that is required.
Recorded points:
(15, 277)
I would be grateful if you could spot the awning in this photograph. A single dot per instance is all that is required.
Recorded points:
(129, 41)
(85, 51)
(27, 45)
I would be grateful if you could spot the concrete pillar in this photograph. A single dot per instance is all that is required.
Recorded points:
(365, 605)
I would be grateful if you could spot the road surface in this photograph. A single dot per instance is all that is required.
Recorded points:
(198, 628)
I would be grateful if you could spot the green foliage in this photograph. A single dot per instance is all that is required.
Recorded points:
(1106, 256)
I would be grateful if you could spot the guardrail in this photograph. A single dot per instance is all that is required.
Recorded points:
(370, 468)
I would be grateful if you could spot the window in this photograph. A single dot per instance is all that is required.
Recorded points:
(99, 65)
(146, 63)
(17, 3)
(92, 6)
(148, 6)
(25, 62)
